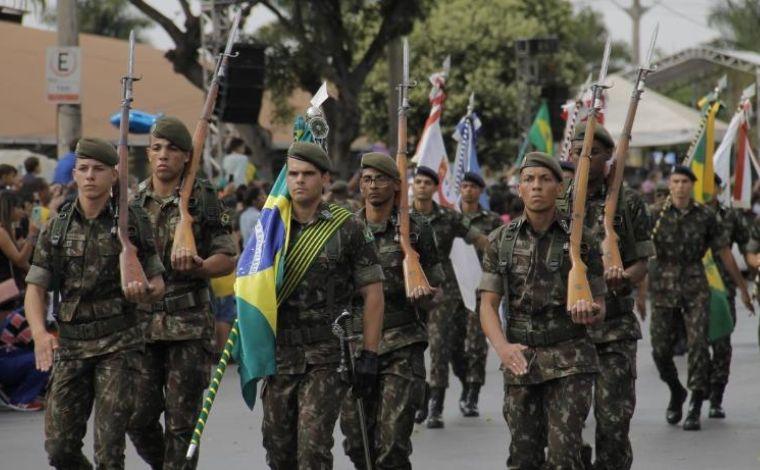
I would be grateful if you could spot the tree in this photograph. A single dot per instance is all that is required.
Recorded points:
(479, 35)
(737, 22)
(112, 18)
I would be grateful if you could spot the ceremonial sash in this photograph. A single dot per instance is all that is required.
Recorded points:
(305, 250)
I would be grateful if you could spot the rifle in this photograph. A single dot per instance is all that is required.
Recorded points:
(183, 234)
(414, 276)
(578, 287)
(610, 249)
(572, 119)
(129, 266)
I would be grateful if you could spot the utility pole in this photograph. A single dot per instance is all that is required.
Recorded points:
(635, 11)
(69, 115)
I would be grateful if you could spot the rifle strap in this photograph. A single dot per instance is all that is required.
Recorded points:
(304, 252)
(58, 228)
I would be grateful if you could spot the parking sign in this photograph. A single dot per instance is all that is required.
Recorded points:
(63, 70)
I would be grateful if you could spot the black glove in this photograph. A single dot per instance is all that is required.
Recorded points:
(365, 374)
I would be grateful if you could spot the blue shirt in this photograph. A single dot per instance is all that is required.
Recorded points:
(63, 169)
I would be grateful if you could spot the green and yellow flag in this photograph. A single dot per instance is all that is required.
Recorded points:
(539, 135)
(721, 324)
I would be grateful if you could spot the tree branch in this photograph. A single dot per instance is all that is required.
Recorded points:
(280, 16)
(171, 29)
(376, 47)
(186, 8)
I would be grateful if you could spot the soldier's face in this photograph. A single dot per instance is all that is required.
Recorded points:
(166, 159)
(470, 192)
(680, 186)
(424, 188)
(376, 187)
(305, 181)
(600, 153)
(539, 189)
(94, 179)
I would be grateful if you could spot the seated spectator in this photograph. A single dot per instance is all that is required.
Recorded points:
(62, 173)
(14, 257)
(8, 177)
(21, 384)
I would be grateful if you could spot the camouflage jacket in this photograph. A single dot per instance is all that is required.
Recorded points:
(347, 262)
(211, 228)
(535, 283)
(391, 258)
(485, 221)
(86, 265)
(632, 227)
(448, 224)
(753, 245)
(737, 231)
(681, 238)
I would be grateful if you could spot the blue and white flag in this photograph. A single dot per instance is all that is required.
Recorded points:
(466, 134)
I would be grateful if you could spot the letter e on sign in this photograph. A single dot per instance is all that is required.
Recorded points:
(63, 71)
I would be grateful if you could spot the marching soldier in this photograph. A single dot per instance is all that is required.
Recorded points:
(94, 361)
(474, 347)
(616, 337)
(447, 224)
(547, 356)
(683, 232)
(401, 374)
(179, 328)
(302, 401)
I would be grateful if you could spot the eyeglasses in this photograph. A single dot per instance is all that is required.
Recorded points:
(380, 181)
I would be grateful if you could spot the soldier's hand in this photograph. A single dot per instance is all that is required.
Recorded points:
(136, 292)
(427, 299)
(616, 277)
(184, 260)
(585, 312)
(512, 358)
(44, 345)
(747, 301)
(641, 309)
(365, 374)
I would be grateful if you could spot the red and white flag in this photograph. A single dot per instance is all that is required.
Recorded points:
(736, 191)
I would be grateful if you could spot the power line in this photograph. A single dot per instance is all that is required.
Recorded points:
(680, 14)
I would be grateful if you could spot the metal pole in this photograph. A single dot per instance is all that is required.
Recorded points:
(69, 116)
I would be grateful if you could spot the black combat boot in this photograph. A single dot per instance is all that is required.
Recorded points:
(716, 402)
(435, 408)
(691, 423)
(471, 402)
(463, 399)
(422, 413)
(678, 396)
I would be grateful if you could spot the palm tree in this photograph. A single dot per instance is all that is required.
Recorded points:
(737, 21)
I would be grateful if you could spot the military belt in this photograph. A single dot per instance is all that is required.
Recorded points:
(299, 336)
(542, 338)
(97, 328)
(179, 302)
(617, 307)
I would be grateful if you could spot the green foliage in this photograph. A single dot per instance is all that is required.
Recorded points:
(480, 36)
(112, 18)
(737, 22)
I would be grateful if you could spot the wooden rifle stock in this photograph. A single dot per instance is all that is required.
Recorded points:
(129, 265)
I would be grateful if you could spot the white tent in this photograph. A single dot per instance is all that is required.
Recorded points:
(660, 121)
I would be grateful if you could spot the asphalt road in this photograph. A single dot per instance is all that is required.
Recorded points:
(233, 435)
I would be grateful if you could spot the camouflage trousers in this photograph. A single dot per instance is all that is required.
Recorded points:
(300, 411)
(475, 350)
(173, 377)
(663, 332)
(390, 411)
(720, 362)
(552, 412)
(76, 387)
(447, 328)
(614, 403)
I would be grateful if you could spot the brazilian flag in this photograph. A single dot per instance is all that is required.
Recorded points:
(539, 135)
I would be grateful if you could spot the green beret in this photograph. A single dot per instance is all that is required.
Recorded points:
(173, 130)
(339, 186)
(382, 163)
(541, 159)
(600, 134)
(97, 149)
(310, 152)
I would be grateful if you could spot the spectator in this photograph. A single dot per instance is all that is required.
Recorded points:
(253, 202)
(32, 168)
(64, 167)
(8, 177)
(21, 384)
(14, 261)
(235, 163)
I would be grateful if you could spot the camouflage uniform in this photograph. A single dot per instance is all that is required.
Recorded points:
(551, 401)
(678, 286)
(302, 401)
(616, 337)
(390, 410)
(734, 224)
(100, 338)
(753, 246)
(179, 331)
(447, 322)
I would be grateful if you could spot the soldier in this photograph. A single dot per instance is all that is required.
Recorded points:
(615, 338)
(302, 401)
(474, 347)
(94, 361)
(547, 356)
(339, 195)
(179, 328)
(442, 332)
(734, 224)
(683, 232)
(400, 390)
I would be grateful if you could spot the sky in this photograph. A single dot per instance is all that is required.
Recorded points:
(683, 23)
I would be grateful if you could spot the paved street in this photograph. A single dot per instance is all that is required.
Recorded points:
(233, 436)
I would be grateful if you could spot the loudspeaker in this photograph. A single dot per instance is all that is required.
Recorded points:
(556, 96)
(241, 89)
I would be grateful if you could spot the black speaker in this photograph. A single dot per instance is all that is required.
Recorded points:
(241, 89)
(556, 96)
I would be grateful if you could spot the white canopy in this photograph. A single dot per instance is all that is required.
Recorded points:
(660, 121)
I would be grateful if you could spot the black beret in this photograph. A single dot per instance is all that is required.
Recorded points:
(173, 130)
(97, 149)
(310, 152)
(567, 165)
(544, 160)
(473, 177)
(600, 134)
(425, 171)
(684, 170)
(381, 162)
